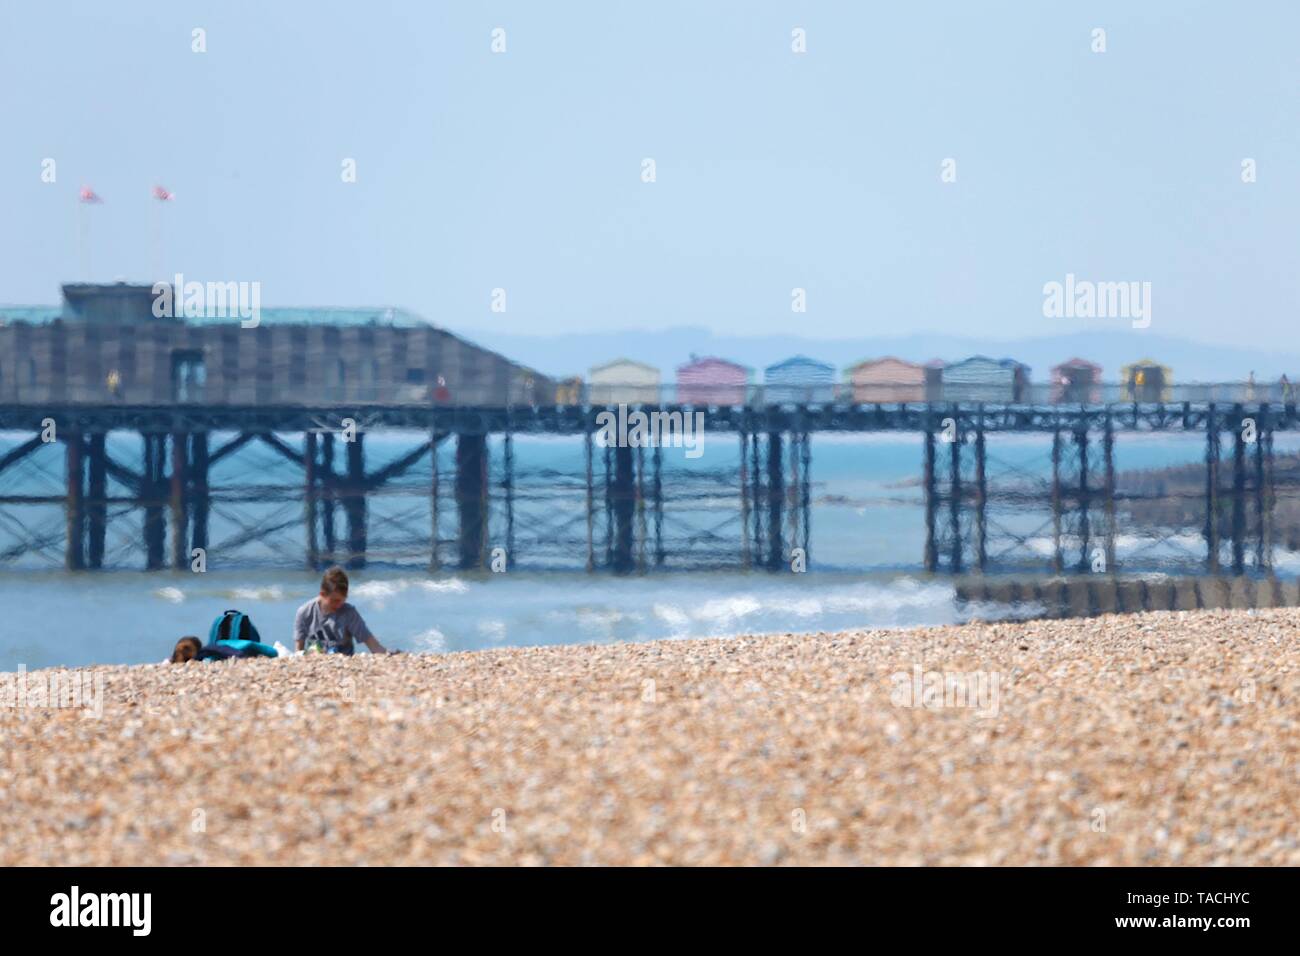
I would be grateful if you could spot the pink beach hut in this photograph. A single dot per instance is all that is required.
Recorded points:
(711, 381)
(1077, 380)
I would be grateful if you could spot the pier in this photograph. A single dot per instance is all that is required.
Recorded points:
(614, 509)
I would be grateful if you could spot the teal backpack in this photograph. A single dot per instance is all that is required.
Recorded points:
(234, 635)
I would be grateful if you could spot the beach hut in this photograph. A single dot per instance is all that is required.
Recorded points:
(800, 380)
(624, 382)
(1020, 378)
(711, 381)
(983, 379)
(568, 391)
(1146, 380)
(886, 379)
(1077, 380)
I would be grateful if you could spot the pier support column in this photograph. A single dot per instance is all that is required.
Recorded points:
(931, 502)
(200, 497)
(805, 491)
(328, 488)
(954, 500)
(179, 516)
(746, 560)
(96, 501)
(434, 563)
(1085, 499)
(74, 544)
(152, 490)
(1212, 491)
(642, 531)
(471, 498)
(609, 506)
(623, 501)
(659, 505)
(508, 485)
(1263, 492)
(1238, 496)
(1058, 559)
(1108, 455)
(355, 503)
(756, 495)
(981, 496)
(775, 499)
(309, 462)
(591, 499)
(1270, 496)
(792, 493)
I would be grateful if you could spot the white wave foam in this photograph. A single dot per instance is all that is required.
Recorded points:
(380, 591)
(450, 586)
(170, 595)
(720, 610)
(271, 593)
(673, 616)
(878, 604)
(432, 641)
(1284, 560)
(601, 616)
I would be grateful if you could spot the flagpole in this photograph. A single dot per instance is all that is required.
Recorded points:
(83, 263)
(155, 242)
(160, 195)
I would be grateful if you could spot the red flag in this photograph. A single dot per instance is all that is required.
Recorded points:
(88, 195)
(161, 193)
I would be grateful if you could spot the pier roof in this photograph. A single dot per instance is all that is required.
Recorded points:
(291, 315)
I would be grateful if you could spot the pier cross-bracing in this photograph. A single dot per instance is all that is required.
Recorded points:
(623, 498)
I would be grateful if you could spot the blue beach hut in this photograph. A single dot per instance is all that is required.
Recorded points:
(800, 380)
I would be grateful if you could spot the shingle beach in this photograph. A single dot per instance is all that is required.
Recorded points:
(1165, 738)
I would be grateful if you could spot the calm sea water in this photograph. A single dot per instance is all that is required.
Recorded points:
(866, 547)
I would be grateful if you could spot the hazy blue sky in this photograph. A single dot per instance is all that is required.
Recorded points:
(775, 170)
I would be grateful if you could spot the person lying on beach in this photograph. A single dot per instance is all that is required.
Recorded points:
(329, 624)
(186, 650)
(189, 649)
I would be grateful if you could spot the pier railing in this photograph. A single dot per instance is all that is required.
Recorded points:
(529, 393)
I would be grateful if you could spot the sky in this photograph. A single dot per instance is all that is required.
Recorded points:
(523, 170)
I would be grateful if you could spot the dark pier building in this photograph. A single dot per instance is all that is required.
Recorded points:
(106, 345)
(105, 361)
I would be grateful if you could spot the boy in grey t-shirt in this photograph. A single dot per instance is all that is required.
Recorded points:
(329, 622)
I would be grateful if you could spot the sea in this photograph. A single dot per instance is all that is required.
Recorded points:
(864, 562)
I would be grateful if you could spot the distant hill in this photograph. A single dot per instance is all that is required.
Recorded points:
(574, 353)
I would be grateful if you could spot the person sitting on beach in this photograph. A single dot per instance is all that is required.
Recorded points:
(329, 624)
